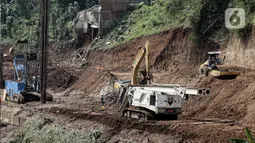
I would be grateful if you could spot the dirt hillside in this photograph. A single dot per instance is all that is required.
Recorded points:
(241, 51)
(175, 59)
(167, 49)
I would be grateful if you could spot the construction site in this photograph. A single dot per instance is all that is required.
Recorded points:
(156, 88)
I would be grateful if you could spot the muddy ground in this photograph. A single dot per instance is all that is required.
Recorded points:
(174, 59)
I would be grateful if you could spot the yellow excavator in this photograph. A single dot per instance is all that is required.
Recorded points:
(138, 77)
(210, 67)
(142, 77)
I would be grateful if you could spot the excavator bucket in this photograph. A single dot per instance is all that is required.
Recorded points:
(225, 74)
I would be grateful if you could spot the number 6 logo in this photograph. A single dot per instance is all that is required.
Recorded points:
(235, 18)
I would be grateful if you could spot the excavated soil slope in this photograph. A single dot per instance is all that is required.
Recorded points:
(241, 51)
(175, 59)
(168, 49)
(233, 99)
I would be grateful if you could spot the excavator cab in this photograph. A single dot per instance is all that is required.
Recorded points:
(210, 67)
(144, 77)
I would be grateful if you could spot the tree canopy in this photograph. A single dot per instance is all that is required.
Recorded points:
(20, 19)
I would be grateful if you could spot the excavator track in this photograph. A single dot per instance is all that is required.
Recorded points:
(16, 98)
(138, 114)
(27, 96)
(132, 112)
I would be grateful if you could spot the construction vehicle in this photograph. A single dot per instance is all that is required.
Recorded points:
(142, 77)
(143, 99)
(23, 88)
(210, 67)
(138, 77)
(152, 101)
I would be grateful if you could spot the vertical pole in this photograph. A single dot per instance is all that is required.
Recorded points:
(92, 34)
(1, 67)
(44, 49)
(99, 22)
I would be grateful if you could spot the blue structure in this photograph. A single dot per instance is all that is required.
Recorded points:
(13, 87)
(20, 88)
(19, 62)
(19, 83)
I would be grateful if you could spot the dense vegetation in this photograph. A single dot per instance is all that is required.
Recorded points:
(20, 19)
(150, 19)
(204, 17)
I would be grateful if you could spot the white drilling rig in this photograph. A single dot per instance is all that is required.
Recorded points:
(143, 99)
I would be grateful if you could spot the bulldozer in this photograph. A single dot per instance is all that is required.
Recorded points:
(210, 67)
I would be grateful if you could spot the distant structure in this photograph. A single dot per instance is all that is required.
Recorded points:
(99, 17)
(88, 19)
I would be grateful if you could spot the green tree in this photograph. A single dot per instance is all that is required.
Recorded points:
(9, 24)
(3, 31)
(3, 13)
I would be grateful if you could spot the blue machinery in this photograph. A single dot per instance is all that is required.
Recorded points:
(19, 83)
(20, 87)
(19, 66)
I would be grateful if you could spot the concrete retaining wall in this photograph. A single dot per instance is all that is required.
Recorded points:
(9, 115)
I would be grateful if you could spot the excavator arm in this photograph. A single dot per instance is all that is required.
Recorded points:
(143, 53)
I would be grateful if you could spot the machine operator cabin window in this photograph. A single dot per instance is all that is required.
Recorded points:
(152, 99)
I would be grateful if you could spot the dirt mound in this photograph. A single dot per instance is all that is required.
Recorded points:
(229, 99)
(92, 81)
(59, 79)
(233, 99)
(190, 131)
